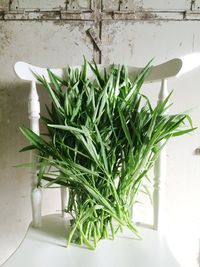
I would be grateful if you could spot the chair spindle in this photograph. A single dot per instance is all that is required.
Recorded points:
(63, 192)
(160, 176)
(36, 193)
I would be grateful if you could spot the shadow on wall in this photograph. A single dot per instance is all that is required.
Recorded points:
(13, 114)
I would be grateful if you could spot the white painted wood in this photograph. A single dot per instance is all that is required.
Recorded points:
(172, 68)
(46, 246)
(63, 200)
(36, 193)
(26, 71)
(159, 202)
(189, 62)
(165, 70)
(34, 108)
(36, 202)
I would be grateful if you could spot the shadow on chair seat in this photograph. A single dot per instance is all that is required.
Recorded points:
(46, 246)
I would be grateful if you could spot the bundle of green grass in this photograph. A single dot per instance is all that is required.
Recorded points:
(103, 137)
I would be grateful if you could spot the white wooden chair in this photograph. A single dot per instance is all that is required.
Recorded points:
(44, 243)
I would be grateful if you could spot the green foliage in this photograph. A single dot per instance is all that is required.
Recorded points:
(104, 136)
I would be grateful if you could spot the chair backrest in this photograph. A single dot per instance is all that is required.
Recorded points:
(162, 72)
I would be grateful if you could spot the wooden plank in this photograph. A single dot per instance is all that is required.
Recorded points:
(131, 5)
(192, 15)
(81, 5)
(145, 15)
(37, 4)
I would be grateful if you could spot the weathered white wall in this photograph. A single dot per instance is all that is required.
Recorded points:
(127, 37)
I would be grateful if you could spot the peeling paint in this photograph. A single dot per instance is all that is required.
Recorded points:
(95, 37)
(37, 4)
(5, 37)
(98, 16)
(4, 5)
(196, 5)
(139, 5)
(192, 15)
(81, 5)
(77, 15)
(50, 15)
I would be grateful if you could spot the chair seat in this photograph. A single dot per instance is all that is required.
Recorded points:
(46, 246)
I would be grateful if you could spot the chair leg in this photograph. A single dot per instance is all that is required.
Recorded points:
(36, 201)
(63, 192)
